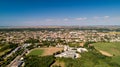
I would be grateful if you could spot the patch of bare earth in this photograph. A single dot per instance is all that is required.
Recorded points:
(51, 50)
(106, 53)
(81, 44)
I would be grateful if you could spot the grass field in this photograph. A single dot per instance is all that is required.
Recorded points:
(112, 48)
(45, 51)
(36, 52)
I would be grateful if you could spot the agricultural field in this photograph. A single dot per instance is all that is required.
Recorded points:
(111, 49)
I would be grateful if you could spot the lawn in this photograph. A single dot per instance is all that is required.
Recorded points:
(36, 52)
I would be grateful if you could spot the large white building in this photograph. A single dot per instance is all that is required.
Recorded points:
(70, 52)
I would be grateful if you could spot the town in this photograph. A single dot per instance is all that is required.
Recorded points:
(63, 42)
(63, 34)
(59, 33)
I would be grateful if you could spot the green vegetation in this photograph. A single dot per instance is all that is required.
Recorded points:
(93, 58)
(116, 59)
(36, 52)
(89, 59)
(48, 43)
(6, 48)
(38, 61)
(5, 62)
(112, 48)
(74, 44)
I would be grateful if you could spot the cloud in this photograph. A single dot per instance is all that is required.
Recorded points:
(48, 20)
(66, 19)
(96, 17)
(106, 17)
(84, 18)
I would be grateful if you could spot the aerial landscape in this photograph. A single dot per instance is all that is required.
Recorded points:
(59, 33)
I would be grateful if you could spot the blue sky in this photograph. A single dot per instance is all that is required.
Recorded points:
(59, 12)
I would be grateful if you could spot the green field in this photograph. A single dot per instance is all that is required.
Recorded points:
(36, 52)
(112, 48)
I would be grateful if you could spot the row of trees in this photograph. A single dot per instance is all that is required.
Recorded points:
(10, 46)
(7, 60)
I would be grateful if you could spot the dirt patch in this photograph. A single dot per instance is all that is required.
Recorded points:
(51, 50)
(106, 53)
(81, 44)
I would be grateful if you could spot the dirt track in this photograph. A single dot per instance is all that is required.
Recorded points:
(105, 53)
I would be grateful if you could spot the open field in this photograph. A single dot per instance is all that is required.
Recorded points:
(110, 49)
(116, 59)
(51, 50)
(36, 52)
(45, 51)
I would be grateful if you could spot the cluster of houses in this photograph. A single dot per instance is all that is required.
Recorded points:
(68, 36)
(71, 52)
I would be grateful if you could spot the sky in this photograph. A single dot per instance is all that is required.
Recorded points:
(59, 12)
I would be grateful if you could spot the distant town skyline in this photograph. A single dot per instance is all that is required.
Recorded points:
(59, 12)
